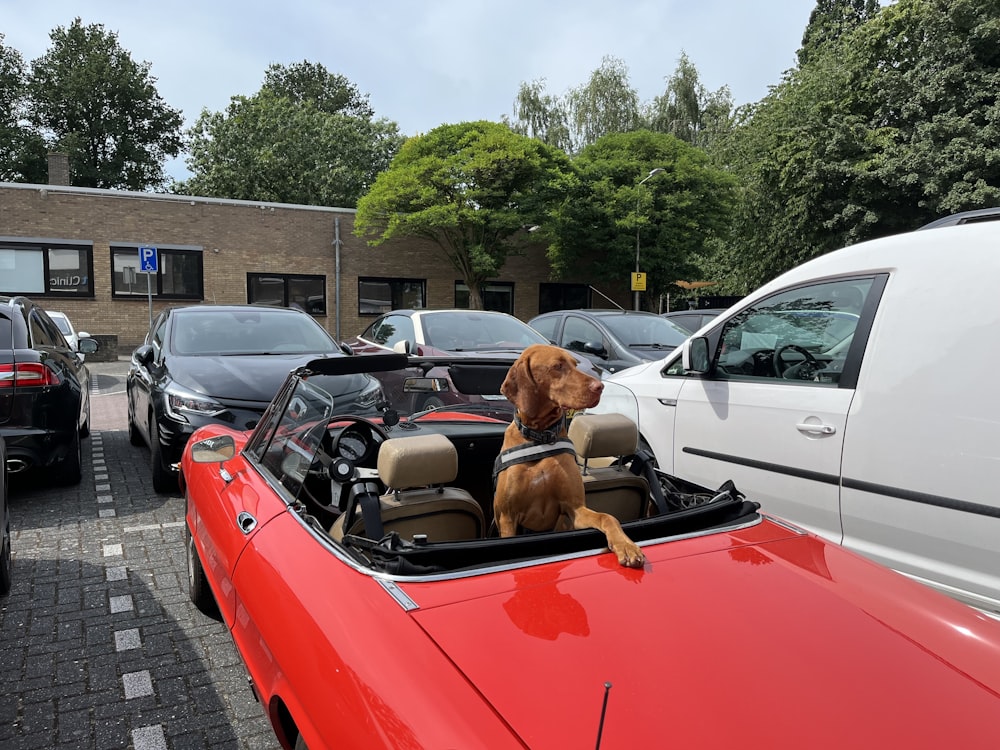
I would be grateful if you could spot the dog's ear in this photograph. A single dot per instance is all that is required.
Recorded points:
(511, 384)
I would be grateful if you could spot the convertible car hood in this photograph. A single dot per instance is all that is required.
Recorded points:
(786, 643)
(236, 378)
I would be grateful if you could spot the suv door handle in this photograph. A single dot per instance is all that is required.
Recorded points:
(821, 429)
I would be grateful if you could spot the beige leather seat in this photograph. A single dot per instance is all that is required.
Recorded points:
(415, 470)
(600, 441)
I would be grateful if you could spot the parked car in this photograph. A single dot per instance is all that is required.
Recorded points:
(68, 331)
(416, 627)
(850, 396)
(966, 217)
(693, 320)
(6, 564)
(44, 393)
(218, 363)
(436, 332)
(611, 339)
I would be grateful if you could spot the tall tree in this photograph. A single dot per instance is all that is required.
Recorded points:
(470, 188)
(687, 110)
(94, 102)
(307, 137)
(607, 103)
(620, 210)
(886, 127)
(22, 150)
(830, 20)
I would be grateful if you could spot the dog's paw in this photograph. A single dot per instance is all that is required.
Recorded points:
(629, 555)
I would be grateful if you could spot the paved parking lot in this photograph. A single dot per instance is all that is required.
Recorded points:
(99, 645)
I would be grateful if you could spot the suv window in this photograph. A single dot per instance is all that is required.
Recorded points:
(577, 332)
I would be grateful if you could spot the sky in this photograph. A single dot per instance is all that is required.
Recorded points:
(431, 62)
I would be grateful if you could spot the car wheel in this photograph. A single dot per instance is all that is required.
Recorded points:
(134, 436)
(198, 589)
(6, 566)
(164, 481)
(431, 402)
(69, 470)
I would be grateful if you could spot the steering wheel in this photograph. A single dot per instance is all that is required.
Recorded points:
(781, 367)
(344, 470)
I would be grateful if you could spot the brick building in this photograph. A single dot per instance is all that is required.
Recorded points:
(77, 250)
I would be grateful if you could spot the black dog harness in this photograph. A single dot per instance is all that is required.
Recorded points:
(544, 443)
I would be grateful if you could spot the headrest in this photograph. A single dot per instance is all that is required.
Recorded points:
(417, 461)
(600, 435)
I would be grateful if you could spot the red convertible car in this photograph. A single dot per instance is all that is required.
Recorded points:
(353, 559)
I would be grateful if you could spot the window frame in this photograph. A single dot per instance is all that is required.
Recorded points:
(163, 252)
(396, 295)
(44, 246)
(506, 288)
(286, 299)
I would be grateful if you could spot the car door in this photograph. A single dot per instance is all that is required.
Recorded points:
(772, 411)
(141, 377)
(586, 338)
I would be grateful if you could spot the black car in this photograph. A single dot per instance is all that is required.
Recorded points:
(692, 320)
(44, 393)
(219, 363)
(611, 339)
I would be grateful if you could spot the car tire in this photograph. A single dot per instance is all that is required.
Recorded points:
(69, 471)
(85, 429)
(431, 402)
(198, 589)
(164, 481)
(134, 436)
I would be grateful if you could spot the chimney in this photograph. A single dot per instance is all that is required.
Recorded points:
(58, 169)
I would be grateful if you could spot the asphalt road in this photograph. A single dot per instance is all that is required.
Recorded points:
(100, 646)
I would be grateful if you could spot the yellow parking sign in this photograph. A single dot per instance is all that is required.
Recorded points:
(638, 282)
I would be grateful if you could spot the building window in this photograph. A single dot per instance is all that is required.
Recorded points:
(46, 267)
(562, 297)
(179, 273)
(285, 290)
(497, 295)
(377, 295)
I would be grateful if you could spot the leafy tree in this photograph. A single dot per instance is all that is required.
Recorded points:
(96, 104)
(676, 213)
(472, 189)
(307, 137)
(22, 151)
(607, 103)
(883, 128)
(687, 110)
(830, 19)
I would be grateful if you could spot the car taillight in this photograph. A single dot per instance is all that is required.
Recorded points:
(26, 374)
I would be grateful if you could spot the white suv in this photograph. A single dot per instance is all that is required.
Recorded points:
(856, 396)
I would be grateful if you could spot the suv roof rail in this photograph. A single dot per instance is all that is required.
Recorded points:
(965, 217)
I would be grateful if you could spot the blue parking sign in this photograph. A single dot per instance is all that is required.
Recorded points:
(148, 260)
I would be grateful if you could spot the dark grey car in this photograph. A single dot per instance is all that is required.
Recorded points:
(611, 339)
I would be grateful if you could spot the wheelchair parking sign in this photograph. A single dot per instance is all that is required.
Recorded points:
(148, 260)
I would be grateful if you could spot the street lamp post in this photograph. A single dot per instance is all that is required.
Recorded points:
(638, 195)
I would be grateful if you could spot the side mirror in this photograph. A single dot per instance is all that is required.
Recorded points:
(596, 348)
(213, 450)
(143, 355)
(403, 347)
(87, 345)
(695, 355)
(346, 348)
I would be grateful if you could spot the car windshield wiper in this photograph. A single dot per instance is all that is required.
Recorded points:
(652, 346)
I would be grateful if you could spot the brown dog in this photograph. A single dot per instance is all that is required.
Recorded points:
(547, 493)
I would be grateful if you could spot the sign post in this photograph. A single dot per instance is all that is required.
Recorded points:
(149, 264)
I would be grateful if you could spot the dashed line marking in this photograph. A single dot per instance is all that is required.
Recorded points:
(113, 550)
(137, 684)
(120, 604)
(149, 738)
(117, 573)
(153, 527)
(126, 640)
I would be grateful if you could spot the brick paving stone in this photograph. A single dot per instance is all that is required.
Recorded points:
(62, 626)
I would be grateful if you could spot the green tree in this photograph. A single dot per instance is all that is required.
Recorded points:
(676, 213)
(92, 101)
(607, 103)
(830, 19)
(687, 110)
(22, 150)
(307, 137)
(472, 189)
(883, 128)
